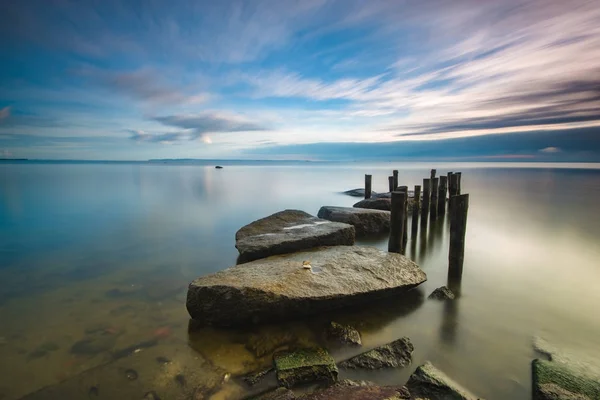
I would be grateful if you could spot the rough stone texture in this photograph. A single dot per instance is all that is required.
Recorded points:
(263, 343)
(342, 335)
(287, 232)
(365, 221)
(375, 203)
(392, 355)
(280, 393)
(342, 392)
(281, 287)
(140, 376)
(255, 377)
(427, 382)
(555, 380)
(442, 293)
(305, 366)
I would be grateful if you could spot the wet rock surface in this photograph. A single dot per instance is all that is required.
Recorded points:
(343, 392)
(556, 380)
(256, 377)
(281, 287)
(442, 293)
(305, 366)
(342, 335)
(397, 354)
(263, 343)
(365, 221)
(287, 232)
(375, 203)
(429, 383)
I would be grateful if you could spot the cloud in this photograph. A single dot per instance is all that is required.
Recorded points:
(4, 113)
(146, 85)
(550, 150)
(198, 125)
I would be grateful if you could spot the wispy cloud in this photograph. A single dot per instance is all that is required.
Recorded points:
(194, 126)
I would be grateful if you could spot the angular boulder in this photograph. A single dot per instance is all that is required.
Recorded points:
(342, 335)
(556, 380)
(299, 284)
(429, 383)
(365, 221)
(289, 231)
(305, 366)
(442, 293)
(397, 354)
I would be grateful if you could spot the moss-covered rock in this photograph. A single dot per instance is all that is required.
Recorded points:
(553, 380)
(392, 355)
(305, 366)
(344, 335)
(429, 383)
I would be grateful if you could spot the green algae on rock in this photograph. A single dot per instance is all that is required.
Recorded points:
(305, 366)
(555, 380)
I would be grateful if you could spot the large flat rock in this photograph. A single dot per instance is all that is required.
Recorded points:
(289, 231)
(303, 283)
(365, 221)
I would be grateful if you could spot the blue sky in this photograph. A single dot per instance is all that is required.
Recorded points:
(307, 79)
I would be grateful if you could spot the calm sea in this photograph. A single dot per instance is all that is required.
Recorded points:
(95, 259)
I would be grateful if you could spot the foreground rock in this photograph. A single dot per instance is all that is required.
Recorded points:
(365, 221)
(282, 287)
(429, 383)
(442, 293)
(555, 380)
(397, 354)
(342, 335)
(305, 366)
(289, 231)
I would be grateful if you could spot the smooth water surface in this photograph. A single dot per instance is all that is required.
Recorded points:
(95, 260)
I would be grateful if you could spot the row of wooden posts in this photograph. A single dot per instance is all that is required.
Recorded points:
(434, 196)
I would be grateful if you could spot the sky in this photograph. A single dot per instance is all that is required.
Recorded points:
(307, 79)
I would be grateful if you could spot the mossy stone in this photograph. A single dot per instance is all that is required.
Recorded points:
(305, 366)
(549, 377)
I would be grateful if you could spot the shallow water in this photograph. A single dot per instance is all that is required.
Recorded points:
(95, 259)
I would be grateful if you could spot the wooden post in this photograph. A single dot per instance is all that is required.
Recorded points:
(458, 228)
(426, 197)
(432, 177)
(404, 189)
(459, 190)
(391, 183)
(397, 222)
(442, 195)
(434, 198)
(453, 185)
(395, 174)
(415, 211)
(368, 186)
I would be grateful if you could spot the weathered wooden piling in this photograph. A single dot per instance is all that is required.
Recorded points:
(404, 189)
(368, 179)
(395, 174)
(390, 183)
(396, 239)
(415, 211)
(442, 195)
(453, 185)
(434, 198)
(425, 205)
(458, 228)
(433, 172)
(459, 188)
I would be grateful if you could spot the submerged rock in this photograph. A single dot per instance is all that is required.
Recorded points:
(397, 354)
(255, 377)
(289, 231)
(342, 392)
(280, 287)
(360, 192)
(342, 335)
(442, 293)
(365, 221)
(555, 380)
(305, 366)
(427, 382)
(264, 343)
(218, 167)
